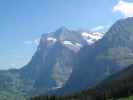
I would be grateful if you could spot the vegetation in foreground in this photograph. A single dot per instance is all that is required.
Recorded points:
(117, 86)
(68, 98)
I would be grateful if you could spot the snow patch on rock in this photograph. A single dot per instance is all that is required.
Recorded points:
(51, 39)
(68, 43)
(75, 46)
(91, 38)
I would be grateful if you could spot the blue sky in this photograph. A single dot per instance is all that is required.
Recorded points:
(23, 21)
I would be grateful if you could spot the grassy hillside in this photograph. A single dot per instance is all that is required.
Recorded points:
(13, 86)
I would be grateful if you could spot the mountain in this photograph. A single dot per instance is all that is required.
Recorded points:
(53, 61)
(68, 61)
(50, 67)
(116, 86)
(107, 56)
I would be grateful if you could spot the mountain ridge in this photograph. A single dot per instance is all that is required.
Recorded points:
(107, 56)
(53, 61)
(68, 61)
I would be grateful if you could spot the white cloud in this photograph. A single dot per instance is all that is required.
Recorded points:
(125, 8)
(33, 42)
(99, 28)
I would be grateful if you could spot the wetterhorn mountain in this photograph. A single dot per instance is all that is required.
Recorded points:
(111, 54)
(53, 61)
(50, 67)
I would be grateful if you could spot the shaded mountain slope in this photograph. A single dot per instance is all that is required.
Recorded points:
(109, 55)
(50, 67)
(116, 86)
(53, 62)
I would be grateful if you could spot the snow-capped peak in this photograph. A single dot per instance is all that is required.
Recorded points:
(74, 40)
(85, 34)
(91, 38)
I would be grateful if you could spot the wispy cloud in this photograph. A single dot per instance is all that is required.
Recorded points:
(100, 28)
(33, 42)
(125, 8)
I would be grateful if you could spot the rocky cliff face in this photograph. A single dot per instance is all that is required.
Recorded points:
(69, 61)
(109, 55)
(54, 60)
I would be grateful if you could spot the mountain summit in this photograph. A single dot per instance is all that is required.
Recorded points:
(53, 62)
(109, 55)
(69, 61)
